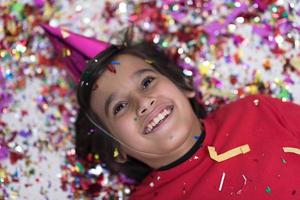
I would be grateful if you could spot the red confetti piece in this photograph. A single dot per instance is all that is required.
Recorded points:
(111, 68)
(15, 156)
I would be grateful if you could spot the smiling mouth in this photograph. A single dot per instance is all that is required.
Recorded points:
(159, 119)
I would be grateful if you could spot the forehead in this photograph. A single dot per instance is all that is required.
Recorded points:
(126, 67)
(110, 82)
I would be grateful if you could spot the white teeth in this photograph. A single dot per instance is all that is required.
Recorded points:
(165, 112)
(157, 119)
(161, 116)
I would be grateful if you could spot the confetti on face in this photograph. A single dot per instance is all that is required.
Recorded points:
(95, 87)
(111, 68)
(115, 62)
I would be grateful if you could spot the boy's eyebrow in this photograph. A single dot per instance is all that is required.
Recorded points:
(113, 95)
(141, 72)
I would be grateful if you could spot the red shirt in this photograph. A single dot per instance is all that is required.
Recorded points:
(265, 172)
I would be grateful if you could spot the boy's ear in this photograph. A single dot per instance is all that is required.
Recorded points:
(189, 94)
(122, 157)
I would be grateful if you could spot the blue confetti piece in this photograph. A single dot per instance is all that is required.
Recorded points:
(196, 137)
(115, 62)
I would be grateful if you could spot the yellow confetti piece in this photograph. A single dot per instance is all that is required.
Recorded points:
(228, 154)
(65, 34)
(295, 61)
(3, 173)
(291, 150)
(206, 67)
(149, 62)
(116, 152)
(66, 52)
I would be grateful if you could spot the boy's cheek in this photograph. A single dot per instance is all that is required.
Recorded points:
(126, 126)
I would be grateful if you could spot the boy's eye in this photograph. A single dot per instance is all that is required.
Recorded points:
(145, 84)
(147, 81)
(119, 107)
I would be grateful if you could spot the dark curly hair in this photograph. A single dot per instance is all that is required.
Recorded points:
(100, 142)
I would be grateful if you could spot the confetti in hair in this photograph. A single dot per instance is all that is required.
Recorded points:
(148, 61)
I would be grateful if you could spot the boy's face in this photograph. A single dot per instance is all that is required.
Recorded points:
(146, 111)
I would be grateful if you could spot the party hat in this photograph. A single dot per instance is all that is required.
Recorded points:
(74, 49)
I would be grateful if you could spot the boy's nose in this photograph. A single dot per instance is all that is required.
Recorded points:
(145, 105)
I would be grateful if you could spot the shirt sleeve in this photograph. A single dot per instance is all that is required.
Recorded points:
(288, 112)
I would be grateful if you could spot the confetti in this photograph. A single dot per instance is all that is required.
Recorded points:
(149, 62)
(291, 150)
(244, 184)
(111, 68)
(115, 62)
(228, 154)
(151, 184)
(268, 189)
(256, 102)
(222, 182)
(196, 137)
